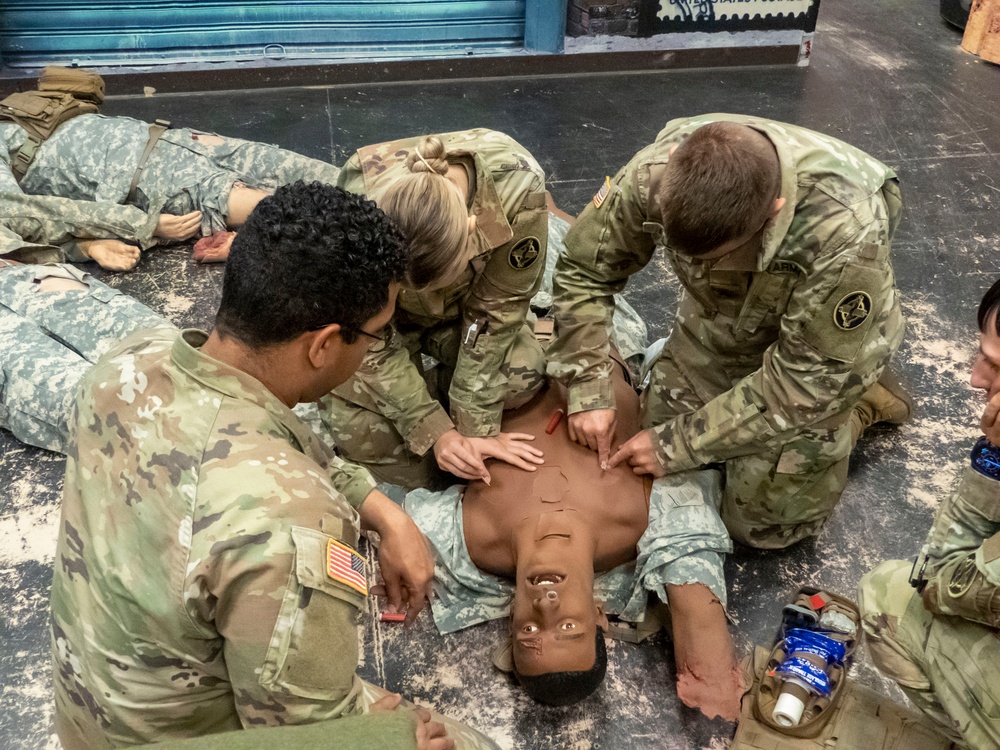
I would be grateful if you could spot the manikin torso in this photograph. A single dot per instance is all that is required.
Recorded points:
(614, 503)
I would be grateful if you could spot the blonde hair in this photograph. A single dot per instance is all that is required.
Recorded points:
(431, 215)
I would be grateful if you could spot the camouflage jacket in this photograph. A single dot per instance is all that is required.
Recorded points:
(508, 257)
(771, 344)
(33, 226)
(194, 588)
(961, 557)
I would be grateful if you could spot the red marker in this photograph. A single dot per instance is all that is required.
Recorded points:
(554, 421)
(392, 617)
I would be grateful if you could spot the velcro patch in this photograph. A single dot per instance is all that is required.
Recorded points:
(991, 548)
(852, 310)
(603, 192)
(345, 565)
(524, 253)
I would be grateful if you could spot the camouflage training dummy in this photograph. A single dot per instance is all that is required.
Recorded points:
(939, 638)
(186, 447)
(472, 205)
(559, 548)
(186, 183)
(789, 314)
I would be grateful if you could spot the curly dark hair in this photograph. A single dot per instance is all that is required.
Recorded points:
(988, 307)
(309, 255)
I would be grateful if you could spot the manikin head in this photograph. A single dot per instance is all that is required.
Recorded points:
(986, 369)
(311, 284)
(557, 627)
(430, 208)
(719, 189)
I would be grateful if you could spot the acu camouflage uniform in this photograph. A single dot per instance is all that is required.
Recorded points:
(387, 417)
(48, 342)
(943, 649)
(765, 360)
(44, 228)
(236, 620)
(186, 171)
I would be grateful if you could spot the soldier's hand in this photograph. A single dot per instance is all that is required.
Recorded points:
(990, 422)
(455, 454)
(639, 453)
(386, 703)
(595, 429)
(511, 448)
(404, 557)
(431, 735)
(178, 228)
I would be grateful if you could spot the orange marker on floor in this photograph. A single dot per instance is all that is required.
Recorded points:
(554, 421)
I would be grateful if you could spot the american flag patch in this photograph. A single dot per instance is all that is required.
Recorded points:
(346, 565)
(603, 192)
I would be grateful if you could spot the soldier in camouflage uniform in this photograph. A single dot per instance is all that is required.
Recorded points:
(939, 638)
(781, 330)
(211, 180)
(185, 443)
(388, 417)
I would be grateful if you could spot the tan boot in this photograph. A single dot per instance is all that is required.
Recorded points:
(886, 401)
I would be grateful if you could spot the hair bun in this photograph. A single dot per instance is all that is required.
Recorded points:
(430, 155)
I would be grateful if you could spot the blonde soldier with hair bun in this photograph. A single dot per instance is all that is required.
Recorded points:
(472, 205)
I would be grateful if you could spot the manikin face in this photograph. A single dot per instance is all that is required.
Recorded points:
(554, 617)
(986, 369)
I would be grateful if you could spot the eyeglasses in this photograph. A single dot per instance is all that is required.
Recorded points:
(380, 342)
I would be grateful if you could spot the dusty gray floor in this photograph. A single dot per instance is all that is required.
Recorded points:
(886, 76)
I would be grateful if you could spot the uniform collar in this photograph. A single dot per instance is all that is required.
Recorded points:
(235, 384)
(492, 227)
(775, 233)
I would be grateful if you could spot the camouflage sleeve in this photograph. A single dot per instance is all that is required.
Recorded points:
(288, 621)
(41, 221)
(841, 326)
(391, 381)
(352, 481)
(351, 177)
(604, 247)
(962, 553)
(497, 305)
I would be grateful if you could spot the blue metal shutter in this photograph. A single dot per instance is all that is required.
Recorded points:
(100, 32)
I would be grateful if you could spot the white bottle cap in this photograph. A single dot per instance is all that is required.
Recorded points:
(788, 710)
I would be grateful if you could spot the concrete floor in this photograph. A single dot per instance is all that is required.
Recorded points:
(887, 76)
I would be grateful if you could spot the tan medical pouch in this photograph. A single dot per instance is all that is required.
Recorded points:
(82, 84)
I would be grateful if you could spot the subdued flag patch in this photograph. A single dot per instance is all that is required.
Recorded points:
(603, 192)
(345, 565)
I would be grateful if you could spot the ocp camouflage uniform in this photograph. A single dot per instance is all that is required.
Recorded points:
(193, 589)
(387, 417)
(943, 648)
(765, 361)
(187, 170)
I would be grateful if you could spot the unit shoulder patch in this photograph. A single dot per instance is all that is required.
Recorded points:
(345, 565)
(852, 310)
(524, 253)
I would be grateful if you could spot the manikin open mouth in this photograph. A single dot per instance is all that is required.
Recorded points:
(546, 579)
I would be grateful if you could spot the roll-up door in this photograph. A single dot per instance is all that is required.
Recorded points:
(97, 32)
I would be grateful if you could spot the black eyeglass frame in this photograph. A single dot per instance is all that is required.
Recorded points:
(381, 342)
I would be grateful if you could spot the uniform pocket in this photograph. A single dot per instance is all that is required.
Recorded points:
(313, 651)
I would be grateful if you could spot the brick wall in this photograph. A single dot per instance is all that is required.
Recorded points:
(593, 17)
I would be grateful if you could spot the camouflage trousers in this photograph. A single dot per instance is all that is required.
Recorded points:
(49, 338)
(193, 171)
(781, 493)
(362, 435)
(947, 666)
(465, 737)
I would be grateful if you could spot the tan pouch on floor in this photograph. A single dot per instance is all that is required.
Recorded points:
(82, 84)
(861, 719)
